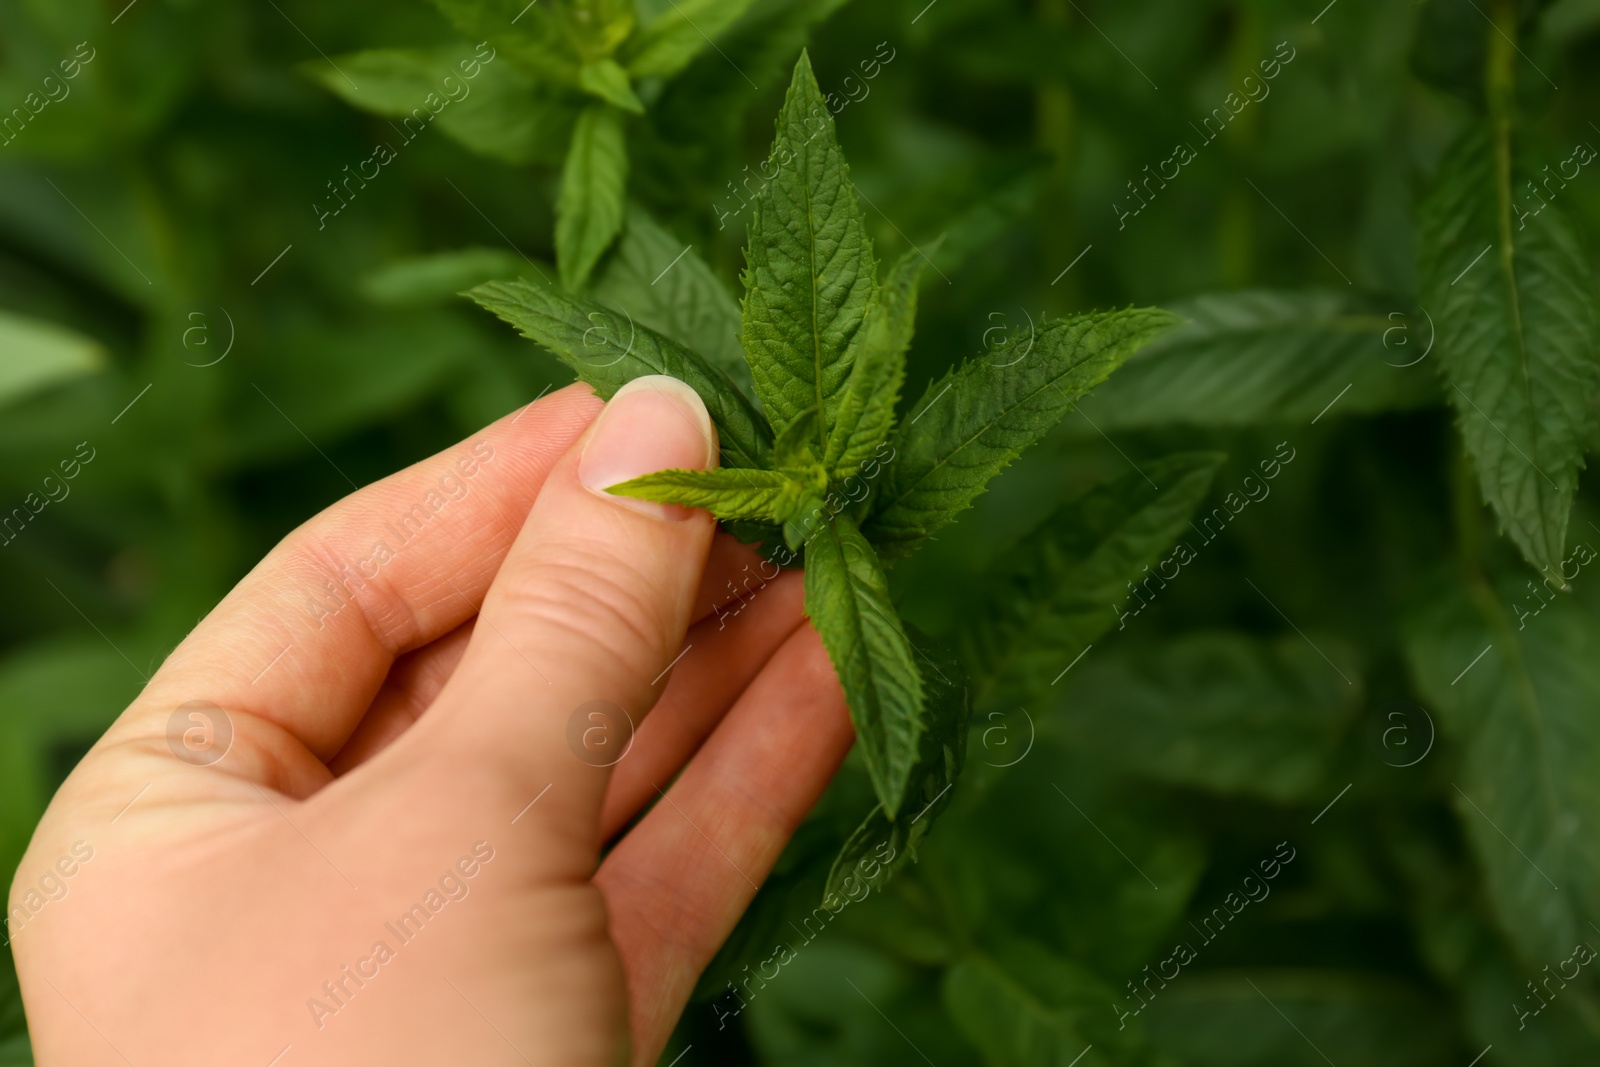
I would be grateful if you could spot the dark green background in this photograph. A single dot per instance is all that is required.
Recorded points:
(192, 148)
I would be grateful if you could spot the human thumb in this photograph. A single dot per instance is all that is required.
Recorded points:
(585, 616)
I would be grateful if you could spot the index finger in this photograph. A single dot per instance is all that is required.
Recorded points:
(306, 639)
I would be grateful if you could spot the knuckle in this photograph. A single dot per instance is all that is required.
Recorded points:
(583, 595)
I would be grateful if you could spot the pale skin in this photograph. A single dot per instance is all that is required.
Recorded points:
(416, 723)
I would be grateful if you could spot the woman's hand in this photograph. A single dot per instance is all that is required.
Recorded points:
(356, 817)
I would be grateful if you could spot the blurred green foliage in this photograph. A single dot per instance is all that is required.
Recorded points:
(1356, 663)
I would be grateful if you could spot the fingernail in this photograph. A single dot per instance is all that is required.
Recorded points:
(654, 423)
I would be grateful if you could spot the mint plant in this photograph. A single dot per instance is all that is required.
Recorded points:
(825, 471)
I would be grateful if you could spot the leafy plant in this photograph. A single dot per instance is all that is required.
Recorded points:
(572, 76)
(826, 345)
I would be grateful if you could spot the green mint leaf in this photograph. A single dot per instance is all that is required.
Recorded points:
(797, 444)
(608, 350)
(1519, 338)
(847, 598)
(593, 184)
(608, 81)
(665, 44)
(1222, 712)
(878, 369)
(728, 492)
(810, 274)
(663, 284)
(885, 843)
(1509, 671)
(1051, 596)
(41, 354)
(1264, 356)
(473, 95)
(973, 422)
